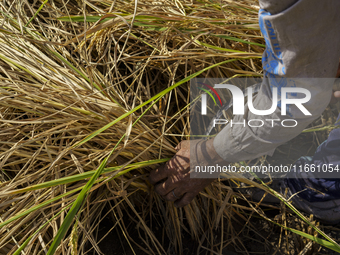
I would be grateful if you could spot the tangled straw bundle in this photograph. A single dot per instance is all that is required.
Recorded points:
(93, 95)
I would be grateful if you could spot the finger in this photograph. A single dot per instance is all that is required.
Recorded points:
(178, 147)
(158, 174)
(173, 195)
(166, 186)
(337, 94)
(179, 192)
(185, 200)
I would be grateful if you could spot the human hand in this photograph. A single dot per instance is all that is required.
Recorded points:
(172, 180)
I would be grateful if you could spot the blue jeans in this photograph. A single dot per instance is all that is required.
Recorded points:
(316, 187)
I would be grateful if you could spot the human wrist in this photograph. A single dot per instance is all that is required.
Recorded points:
(209, 153)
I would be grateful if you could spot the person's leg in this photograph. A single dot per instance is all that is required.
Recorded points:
(313, 193)
(318, 192)
(324, 183)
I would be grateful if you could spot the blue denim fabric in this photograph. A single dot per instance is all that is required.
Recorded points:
(319, 189)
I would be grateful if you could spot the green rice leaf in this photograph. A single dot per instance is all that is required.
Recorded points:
(159, 95)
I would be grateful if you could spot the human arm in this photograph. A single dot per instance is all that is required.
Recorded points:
(302, 50)
(304, 39)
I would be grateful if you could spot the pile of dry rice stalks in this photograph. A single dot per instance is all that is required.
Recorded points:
(70, 68)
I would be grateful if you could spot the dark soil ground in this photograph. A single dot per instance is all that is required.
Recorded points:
(268, 239)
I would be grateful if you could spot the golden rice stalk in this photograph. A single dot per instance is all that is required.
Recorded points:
(75, 67)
